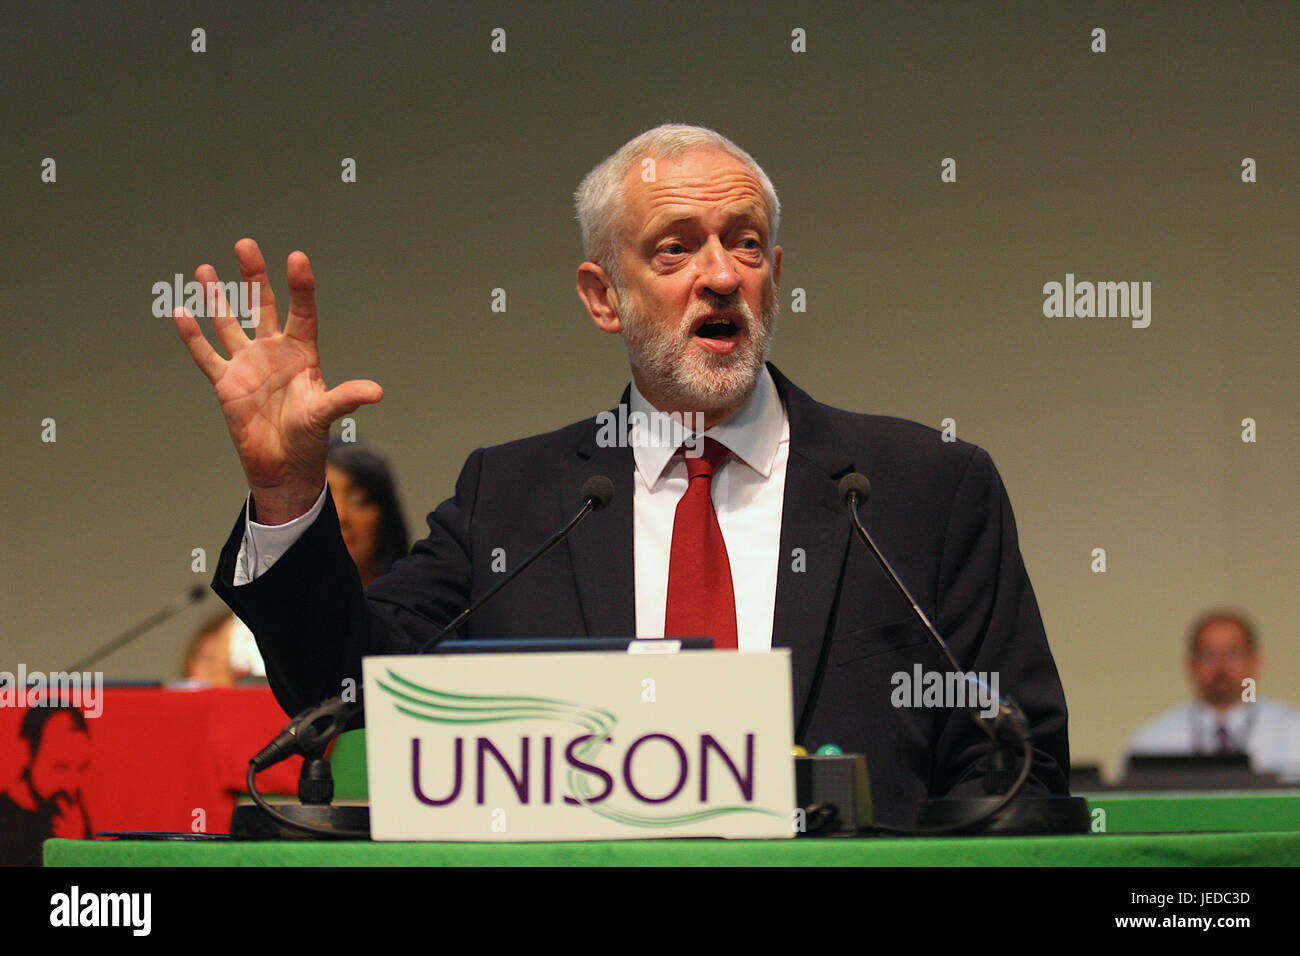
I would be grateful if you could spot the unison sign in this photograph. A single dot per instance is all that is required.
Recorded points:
(579, 746)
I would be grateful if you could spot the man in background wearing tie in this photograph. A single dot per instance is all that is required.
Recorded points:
(1223, 664)
(741, 536)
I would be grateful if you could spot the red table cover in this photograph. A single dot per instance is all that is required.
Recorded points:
(158, 755)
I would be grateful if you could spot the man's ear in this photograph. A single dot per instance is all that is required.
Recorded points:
(776, 266)
(596, 290)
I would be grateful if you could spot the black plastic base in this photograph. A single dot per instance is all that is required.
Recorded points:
(250, 822)
(1023, 816)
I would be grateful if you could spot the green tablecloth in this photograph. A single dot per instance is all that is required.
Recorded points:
(1254, 828)
(1183, 849)
(1202, 811)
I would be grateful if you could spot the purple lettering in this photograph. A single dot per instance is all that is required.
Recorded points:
(681, 764)
(546, 770)
(415, 776)
(520, 783)
(588, 768)
(745, 782)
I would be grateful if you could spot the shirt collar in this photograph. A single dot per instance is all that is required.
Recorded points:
(753, 434)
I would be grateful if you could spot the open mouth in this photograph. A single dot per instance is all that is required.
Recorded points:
(719, 331)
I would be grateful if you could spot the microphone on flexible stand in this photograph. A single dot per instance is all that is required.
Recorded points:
(1005, 810)
(191, 595)
(310, 732)
(597, 492)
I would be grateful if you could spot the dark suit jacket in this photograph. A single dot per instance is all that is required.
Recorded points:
(938, 510)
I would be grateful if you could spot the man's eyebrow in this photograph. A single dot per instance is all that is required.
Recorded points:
(753, 212)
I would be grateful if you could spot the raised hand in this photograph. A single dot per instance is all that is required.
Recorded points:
(69, 821)
(271, 389)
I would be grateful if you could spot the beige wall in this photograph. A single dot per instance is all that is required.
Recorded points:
(924, 298)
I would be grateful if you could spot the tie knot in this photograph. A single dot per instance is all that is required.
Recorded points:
(707, 463)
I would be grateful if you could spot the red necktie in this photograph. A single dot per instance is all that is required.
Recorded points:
(701, 601)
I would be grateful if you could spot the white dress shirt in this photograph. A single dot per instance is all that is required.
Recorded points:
(748, 495)
(1268, 731)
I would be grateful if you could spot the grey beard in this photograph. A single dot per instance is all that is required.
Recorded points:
(706, 382)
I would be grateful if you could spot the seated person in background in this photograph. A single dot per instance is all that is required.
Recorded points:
(1223, 663)
(223, 650)
(45, 800)
(207, 658)
(365, 496)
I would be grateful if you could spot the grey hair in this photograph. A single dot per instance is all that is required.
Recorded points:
(599, 198)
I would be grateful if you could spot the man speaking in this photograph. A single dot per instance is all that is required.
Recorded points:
(741, 535)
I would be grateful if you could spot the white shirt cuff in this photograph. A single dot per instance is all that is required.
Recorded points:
(265, 544)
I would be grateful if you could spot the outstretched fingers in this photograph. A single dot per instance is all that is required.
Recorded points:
(224, 318)
(300, 323)
(205, 356)
(347, 397)
(253, 269)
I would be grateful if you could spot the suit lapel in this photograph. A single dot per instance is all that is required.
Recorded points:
(602, 549)
(814, 522)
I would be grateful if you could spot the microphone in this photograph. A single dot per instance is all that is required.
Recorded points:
(1008, 731)
(312, 729)
(854, 490)
(597, 492)
(296, 738)
(855, 486)
(309, 733)
(191, 595)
